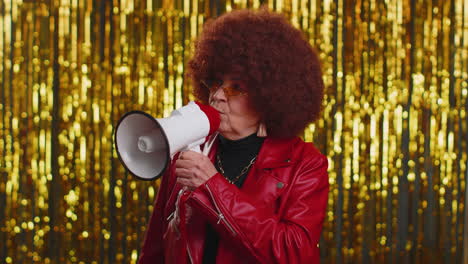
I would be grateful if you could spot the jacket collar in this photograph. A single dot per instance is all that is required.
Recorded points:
(274, 153)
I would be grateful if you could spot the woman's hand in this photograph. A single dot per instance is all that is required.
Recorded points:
(193, 169)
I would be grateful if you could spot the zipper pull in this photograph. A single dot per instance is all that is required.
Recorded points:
(175, 213)
(220, 217)
(169, 218)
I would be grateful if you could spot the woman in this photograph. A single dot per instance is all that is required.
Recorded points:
(260, 195)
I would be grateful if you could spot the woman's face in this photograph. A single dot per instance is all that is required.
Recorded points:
(238, 118)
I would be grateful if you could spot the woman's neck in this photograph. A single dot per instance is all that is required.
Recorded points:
(239, 135)
(249, 140)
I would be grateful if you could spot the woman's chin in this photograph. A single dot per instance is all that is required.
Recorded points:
(222, 130)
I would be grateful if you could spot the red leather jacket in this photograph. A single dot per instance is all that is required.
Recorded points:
(276, 217)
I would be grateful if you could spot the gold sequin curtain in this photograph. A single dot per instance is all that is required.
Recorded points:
(394, 123)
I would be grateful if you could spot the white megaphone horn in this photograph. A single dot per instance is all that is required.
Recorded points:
(145, 145)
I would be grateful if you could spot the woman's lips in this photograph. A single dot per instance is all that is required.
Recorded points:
(219, 111)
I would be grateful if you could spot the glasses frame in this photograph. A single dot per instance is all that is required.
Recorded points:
(228, 90)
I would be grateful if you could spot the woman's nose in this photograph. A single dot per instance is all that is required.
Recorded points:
(219, 94)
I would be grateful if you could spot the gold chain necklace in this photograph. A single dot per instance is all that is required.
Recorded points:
(244, 170)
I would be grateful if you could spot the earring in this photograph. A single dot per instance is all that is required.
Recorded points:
(262, 131)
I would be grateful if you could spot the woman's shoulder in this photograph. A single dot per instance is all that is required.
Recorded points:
(308, 152)
(296, 148)
(306, 148)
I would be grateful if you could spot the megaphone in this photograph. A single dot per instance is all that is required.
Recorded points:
(145, 145)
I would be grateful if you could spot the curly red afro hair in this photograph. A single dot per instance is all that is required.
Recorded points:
(280, 68)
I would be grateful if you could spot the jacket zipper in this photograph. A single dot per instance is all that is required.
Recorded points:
(189, 254)
(175, 214)
(220, 215)
(169, 218)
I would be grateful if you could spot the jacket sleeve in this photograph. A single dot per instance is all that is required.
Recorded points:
(289, 237)
(152, 250)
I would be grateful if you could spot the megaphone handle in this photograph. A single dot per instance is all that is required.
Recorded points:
(196, 148)
(209, 143)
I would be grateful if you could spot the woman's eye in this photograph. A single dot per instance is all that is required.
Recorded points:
(216, 83)
(237, 87)
(213, 84)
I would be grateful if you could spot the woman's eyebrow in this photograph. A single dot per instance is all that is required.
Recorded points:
(236, 78)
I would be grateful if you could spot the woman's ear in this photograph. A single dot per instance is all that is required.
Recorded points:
(262, 131)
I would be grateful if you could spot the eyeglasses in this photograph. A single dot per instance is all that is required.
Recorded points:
(232, 88)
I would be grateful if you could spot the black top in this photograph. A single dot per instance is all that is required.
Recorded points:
(235, 155)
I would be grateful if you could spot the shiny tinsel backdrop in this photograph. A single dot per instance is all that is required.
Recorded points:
(394, 123)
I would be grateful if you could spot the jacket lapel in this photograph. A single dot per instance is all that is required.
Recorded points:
(274, 153)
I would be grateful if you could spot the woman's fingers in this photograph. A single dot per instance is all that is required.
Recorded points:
(189, 155)
(190, 182)
(193, 169)
(184, 173)
(188, 159)
(184, 181)
(184, 164)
